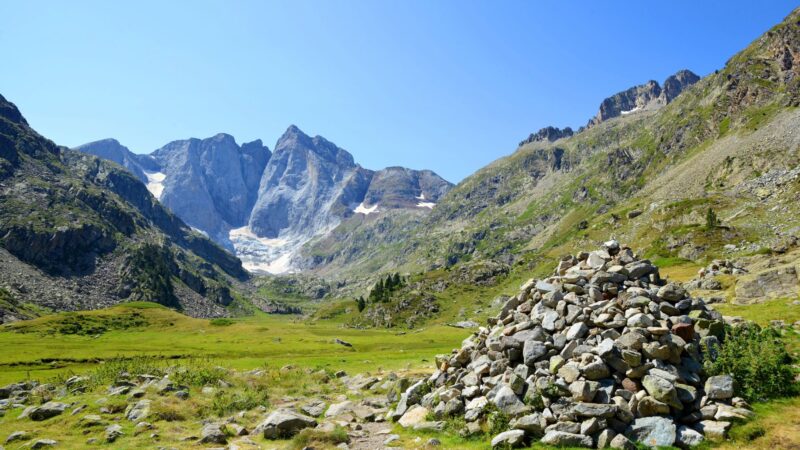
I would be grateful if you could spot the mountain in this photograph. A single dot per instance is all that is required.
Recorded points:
(211, 183)
(643, 97)
(77, 232)
(723, 146)
(266, 206)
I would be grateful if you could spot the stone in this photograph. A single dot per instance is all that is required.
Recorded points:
(719, 387)
(284, 423)
(687, 437)
(583, 391)
(731, 413)
(113, 432)
(620, 441)
(713, 429)
(509, 439)
(337, 409)
(532, 424)
(662, 390)
(532, 351)
(653, 431)
(416, 414)
(44, 412)
(314, 408)
(138, 410)
(672, 292)
(17, 436)
(508, 402)
(564, 439)
(594, 409)
(43, 443)
(213, 433)
(577, 331)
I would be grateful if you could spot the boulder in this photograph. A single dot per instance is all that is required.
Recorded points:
(564, 439)
(653, 431)
(719, 387)
(509, 439)
(213, 433)
(284, 423)
(416, 414)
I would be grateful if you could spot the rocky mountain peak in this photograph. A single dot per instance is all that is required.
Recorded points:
(549, 134)
(295, 140)
(649, 95)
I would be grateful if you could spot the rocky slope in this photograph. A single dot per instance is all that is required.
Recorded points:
(265, 206)
(77, 232)
(725, 142)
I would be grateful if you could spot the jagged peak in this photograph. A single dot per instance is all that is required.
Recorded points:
(294, 139)
(645, 96)
(549, 134)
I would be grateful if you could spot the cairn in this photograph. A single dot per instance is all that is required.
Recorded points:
(602, 354)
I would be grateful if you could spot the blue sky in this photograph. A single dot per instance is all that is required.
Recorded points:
(445, 85)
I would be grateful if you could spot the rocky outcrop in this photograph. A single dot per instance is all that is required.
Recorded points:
(646, 96)
(772, 283)
(548, 134)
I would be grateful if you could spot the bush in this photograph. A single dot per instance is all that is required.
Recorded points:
(758, 361)
(231, 401)
(308, 437)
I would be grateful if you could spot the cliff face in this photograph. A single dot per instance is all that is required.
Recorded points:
(646, 96)
(264, 206)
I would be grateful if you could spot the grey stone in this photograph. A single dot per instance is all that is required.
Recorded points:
(284, 423)
(563, 439)
(719, 387)
(511, 438)
(653, 431)
(213, 434)
(687, 437)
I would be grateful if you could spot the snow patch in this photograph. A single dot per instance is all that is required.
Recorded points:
(264, 255)
(361, 209)
(420, 197)
(636, 109)
(428, 205)
(155, 183)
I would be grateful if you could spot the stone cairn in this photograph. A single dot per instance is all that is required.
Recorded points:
(602, 354)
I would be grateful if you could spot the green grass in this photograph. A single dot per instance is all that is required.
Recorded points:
(32, 349)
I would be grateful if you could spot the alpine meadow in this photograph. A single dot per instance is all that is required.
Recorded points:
(628, 283)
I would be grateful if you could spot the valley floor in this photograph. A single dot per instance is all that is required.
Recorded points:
(260, 361)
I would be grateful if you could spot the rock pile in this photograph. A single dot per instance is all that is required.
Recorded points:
(601, 354)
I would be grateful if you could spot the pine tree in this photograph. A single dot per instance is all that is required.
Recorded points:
(361, 303)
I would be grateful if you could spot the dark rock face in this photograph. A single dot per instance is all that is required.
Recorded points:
(549, 134)
(645, 96)
(67, 218)
(211, 183)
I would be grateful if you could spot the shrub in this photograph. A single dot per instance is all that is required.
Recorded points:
(758, 361)
(310, 436)
(169, 412)
(221, 322)
(231, 401)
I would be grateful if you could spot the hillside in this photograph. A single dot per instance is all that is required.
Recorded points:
(727, 143)
(80, 233)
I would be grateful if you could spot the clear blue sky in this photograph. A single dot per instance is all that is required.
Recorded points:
(445, 85)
